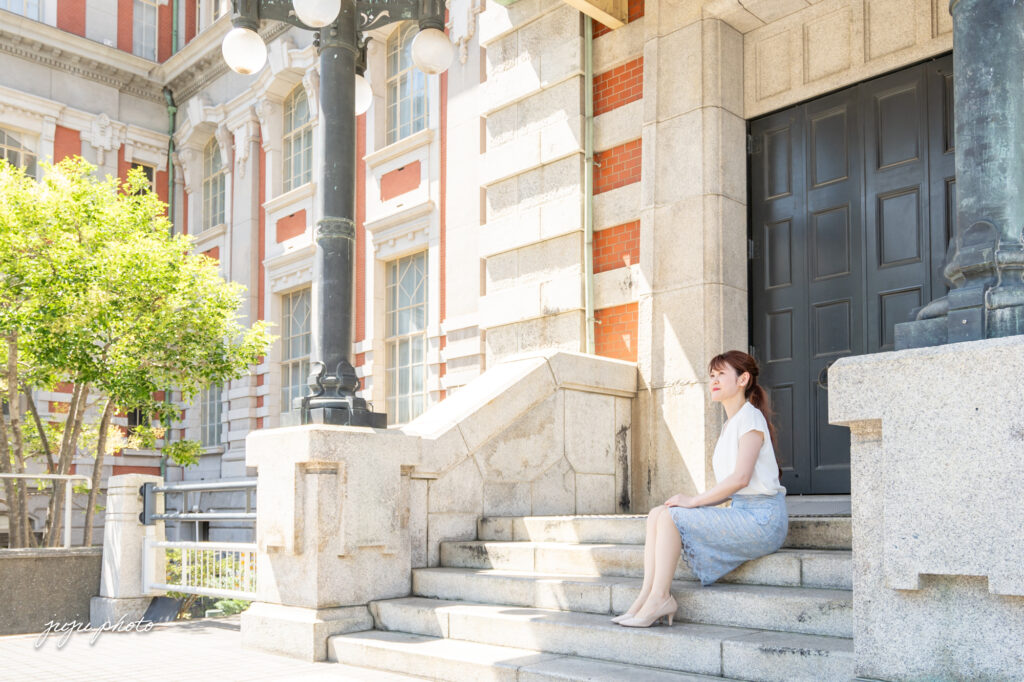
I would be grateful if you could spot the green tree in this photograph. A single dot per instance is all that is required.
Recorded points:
(94, 290)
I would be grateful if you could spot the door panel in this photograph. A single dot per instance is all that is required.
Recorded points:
(852, 201)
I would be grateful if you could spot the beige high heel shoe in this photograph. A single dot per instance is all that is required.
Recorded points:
(625, 616)
(666, 610)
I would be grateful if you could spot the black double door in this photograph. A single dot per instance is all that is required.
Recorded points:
(852, 205)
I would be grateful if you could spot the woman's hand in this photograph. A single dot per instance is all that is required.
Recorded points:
(680, 500)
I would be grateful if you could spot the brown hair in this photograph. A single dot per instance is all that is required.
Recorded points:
(743, 362)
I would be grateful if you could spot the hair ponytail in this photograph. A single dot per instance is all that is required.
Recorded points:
(758, 397)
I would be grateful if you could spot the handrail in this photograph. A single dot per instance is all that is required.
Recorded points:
(149, 491)
(205, 486)
(67, 495)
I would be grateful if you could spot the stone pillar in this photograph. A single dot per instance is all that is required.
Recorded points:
(243, 267)
(985, 262)
(936, 438)
(332, 533)
(122, 584)
(693, 243)
(532, 170)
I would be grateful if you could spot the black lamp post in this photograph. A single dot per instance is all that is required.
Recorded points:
(343, 94)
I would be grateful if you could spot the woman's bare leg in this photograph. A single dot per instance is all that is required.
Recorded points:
(649, 545)
(667, 547)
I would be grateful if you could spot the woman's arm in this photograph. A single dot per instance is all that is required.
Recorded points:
(746, 457)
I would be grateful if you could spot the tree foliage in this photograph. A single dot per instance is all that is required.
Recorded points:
(96, 291)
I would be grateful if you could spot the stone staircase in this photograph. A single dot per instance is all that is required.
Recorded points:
(532, 597)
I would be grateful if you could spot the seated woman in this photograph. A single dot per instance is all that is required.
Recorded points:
(715, 540)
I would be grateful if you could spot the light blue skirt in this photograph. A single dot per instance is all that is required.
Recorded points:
(716, 540)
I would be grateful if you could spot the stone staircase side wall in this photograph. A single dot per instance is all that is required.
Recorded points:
(546, 433)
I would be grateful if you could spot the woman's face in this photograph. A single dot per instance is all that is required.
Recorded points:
(725, 383)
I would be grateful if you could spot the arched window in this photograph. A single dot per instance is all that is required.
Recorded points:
(298, 140)
(16, 153)
(406, 86)
(213, 185)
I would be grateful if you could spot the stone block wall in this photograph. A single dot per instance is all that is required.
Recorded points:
(536, 434)
(797, 49)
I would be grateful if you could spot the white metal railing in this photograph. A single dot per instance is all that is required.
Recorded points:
(208, 569)
(67, 494)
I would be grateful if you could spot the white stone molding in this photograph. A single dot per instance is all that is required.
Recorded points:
(461, 30)
(290, 270)
(268, 112)
(104, 136)
(209, 238)
(145, 146)
(189, 162)
(311, 84)
(401, 233)
(245, 134)
(53, 48)
(290, 201)
(226, 142)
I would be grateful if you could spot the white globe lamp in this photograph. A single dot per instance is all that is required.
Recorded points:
(317, 13)
(244, 50)
(364, 95)
(431, 51)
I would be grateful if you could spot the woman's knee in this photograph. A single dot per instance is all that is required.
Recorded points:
(656, 513)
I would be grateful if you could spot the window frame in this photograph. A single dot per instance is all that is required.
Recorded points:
(404, 405)
(294, 367)
(140, 44)
(211, 416)
(23, 12)
(293, 135)
(214, 186)
(20, 148)
(401, 72)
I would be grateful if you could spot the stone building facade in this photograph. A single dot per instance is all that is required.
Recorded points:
(478, 235)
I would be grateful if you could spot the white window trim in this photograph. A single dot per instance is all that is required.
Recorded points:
(309, 125)
(155, 4)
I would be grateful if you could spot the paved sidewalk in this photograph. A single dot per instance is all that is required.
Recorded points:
(190, 650)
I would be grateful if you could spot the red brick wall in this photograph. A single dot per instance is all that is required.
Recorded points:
(164, 27)
(615, 332)
(621, 85)
(291, 226)
(213, 253)
(617, 166)
(71, 17)
(399, 181)
(125, 13)
(66, 142)
(617, 247)
(128, 469)
(636, 10)
(184, 212)
(190, 21)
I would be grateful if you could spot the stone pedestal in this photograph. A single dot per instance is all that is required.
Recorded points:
(936, 441)
(332, 533)
(122, 580)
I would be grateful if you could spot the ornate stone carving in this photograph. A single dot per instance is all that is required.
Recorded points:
(462, 32)
(103, 137)
(311, 84)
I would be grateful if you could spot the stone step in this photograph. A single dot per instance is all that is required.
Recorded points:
(787, 609)
(805, 532)
(457, 661)
(832, 569)
(732, 652)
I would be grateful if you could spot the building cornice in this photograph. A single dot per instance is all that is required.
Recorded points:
(44, 44)
(201, 62)
(187, 72)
